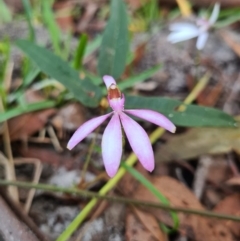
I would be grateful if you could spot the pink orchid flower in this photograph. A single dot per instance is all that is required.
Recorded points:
(112, 136)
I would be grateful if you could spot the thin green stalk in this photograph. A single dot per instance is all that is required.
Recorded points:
(81, 48)
(28, 11)
(132, 159)
(4, 116)
(88, 194)
(52, 26)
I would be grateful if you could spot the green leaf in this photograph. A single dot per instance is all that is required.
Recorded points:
(192, 116)
(114, 47)
(228, 21)
(29, 16)
(58, 69)
(25, 109)
(52, 26)
(5, 13)
(95, 79)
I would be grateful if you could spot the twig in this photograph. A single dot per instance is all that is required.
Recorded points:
(6, 138)
(37, 173)
(54, 138)
(205, 162)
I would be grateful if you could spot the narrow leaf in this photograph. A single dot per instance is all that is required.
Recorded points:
(192, 116)
(58, 69)
(5, 13)
(80, 51)
(28, 12)
(52, 26)
(114, 47)
(25, 109)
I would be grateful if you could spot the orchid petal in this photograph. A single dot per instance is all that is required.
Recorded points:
(214, 16)
(183, 35)
(153, 117)
(112, 145)
(139, 141)
(85, 130)
(179, 27)
(108, 80)
(201, 41)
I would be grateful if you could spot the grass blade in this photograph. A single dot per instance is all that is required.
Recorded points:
(81, 48)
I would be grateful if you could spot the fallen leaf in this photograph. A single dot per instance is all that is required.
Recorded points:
(199, 141)
(50, 156)
(136, 231)
(23, 126)
(219, 170)
(90, 10)
(64, 14)
(233, 181)
(150, 223)
(230, 205)
(195, 227)
(232, 40)
(210, 95)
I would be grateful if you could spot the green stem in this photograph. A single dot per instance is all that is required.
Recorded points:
(88, 194)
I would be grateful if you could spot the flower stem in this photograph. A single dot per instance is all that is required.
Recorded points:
(132, 159)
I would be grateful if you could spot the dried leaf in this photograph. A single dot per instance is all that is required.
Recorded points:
(234, 181)
(50, 156)
(230, 205)
(27, 124)
(90, 10)
(136, 231)
(64, 16)
(150, 223)
(21, 127)
(195, 227)
(200, 141)
(232, 40)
